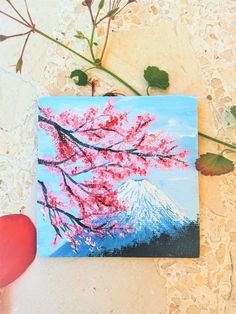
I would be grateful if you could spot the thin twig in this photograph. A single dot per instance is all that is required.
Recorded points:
(13, 18)
(28, 13)
(91, 13)
(18, 35)
(216, 140)
(101, 19)
(26, 40)
(106, 39)
(18, 13)
(91, 42)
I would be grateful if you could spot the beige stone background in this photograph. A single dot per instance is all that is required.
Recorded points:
(195, 41)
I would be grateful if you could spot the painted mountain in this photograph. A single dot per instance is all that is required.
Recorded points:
(158, 227)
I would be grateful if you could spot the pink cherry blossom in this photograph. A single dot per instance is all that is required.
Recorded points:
(106, 148)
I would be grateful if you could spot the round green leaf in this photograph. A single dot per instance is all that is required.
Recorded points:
(210, 164)
(81, 77)
(156, 77)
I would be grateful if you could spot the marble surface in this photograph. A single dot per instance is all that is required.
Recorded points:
(195, 41)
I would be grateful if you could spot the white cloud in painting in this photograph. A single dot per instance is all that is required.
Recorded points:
(180, 179)
(179, 129)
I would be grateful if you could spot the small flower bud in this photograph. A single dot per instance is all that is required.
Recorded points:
(87, 3)
(19, 65)
(3, 37)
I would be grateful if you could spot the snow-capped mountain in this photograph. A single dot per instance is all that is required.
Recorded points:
(150, 212)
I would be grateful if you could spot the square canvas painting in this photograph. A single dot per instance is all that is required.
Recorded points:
(116, 177)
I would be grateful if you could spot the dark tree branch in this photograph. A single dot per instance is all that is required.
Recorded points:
(72, 217)
(98, 148)
(54, 163)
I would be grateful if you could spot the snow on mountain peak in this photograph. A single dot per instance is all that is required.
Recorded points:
(149, 210)
(141, 185)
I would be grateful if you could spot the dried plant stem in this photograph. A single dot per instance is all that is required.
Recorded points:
(94, 21)
(93, 62)
(89, 61)
(28, 13)
(91, 13)
(18, 35)
(62, 45)
(121, 81)
(106, 40)
(13, 18)
(92, 42)
(217, 141)
(18, 13)
(26, 40)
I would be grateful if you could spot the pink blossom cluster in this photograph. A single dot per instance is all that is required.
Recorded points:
(110, 148)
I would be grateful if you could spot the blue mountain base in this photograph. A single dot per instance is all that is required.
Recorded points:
(185, 243)
(160, 228)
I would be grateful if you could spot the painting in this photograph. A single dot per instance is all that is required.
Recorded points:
(116, 177)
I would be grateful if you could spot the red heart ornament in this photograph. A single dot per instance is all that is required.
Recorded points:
(17, 246)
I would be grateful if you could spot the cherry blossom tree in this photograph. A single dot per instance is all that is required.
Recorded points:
(94, 152)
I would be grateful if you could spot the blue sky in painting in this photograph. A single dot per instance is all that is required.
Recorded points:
(176, 115)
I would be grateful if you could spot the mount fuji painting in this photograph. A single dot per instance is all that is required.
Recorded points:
(116, 177)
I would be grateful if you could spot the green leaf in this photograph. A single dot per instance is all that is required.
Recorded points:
(82, 77)
(101, 4)
(19, 65)
(112, 12)
(156, 77)
(233, 111)
(210, 164)
(79, 35)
